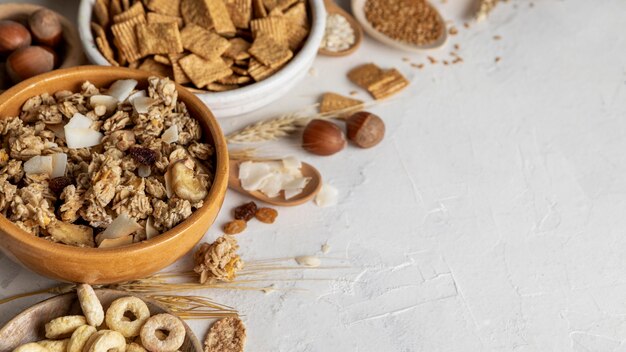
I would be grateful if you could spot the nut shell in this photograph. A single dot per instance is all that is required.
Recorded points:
(30, 61)
(365, 129)
(45, 27)
(323, 138)
(13, 35)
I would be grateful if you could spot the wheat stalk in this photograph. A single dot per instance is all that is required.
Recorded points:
(275, 128)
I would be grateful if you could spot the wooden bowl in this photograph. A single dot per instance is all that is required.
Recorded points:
(71, 53)
(28, 326)
(111, 265)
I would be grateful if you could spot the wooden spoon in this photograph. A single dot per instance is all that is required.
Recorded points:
(307, 194)
(358, 8)
(28, 325)
(333, 8)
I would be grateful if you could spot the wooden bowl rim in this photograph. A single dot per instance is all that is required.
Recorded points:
(219, 186)
(74, 52)
(190, 333)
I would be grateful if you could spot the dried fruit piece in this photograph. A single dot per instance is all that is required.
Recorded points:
(58, 184)
(185, 184)
(266, 215)
(143, 155)
(245, 211)
(234, 227)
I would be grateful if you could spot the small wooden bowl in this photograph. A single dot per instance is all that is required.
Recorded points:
(28, 326)
(135, 261)
(71, 50)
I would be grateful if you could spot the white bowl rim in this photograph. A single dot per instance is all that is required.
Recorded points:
(309, 49)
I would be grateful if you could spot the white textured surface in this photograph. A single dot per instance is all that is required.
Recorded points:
(490, 219)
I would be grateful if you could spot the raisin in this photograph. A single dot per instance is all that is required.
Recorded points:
(58, 184)
(266, 215)
(143, 155)
(234, 227)
(245, 211)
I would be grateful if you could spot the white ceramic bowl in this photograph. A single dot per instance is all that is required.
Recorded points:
(245, 99)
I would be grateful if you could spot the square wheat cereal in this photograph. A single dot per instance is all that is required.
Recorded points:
(135, 10)
(126, 39)
(196, 12)
(238, 49)
(234, 79)
(240, 12)
(159, 38)
(275, 27)
(217, 87)
(202, 71)
(106, 50)
(333, 102)
(296, 34)
(220, 17)
(156, 68)
(239, 70)
(364, 75)
(125, 5)
(202, 42)
(97, 30)
(115, 8)
(162, 59)
(154, 17)
(101, 12)
(164, 7)
(389, 82)
(269, 4)
(259, 72)
(180, 76)
(298, 14)
(285, 4)
(258, 9)
(269, 52)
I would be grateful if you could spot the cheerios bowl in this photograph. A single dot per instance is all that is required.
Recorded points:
(133, 261)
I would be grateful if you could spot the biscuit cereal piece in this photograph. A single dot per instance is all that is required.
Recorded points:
(226, 335)
(90, 304)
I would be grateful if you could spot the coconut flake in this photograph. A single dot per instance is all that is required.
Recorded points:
(82, 137)
(170, 135)
(121, 89)
(144, 171)
(39, 164)
(142, 104)
(327, 196)
(137, 94)
(253, 175)
(151, 231)
(309, 261)
(168, 184)
(79, 121)
(292, 163)
(59, 164)
(109, 102)
(123, 225)
(116, 242)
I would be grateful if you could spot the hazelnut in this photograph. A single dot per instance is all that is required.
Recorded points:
(30, 61)
(365, 129)
(13, 36)
(322, 137)
(45, 26)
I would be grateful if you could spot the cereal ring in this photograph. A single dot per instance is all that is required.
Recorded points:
(227, 334)
(79, 338)
(64, 326)
(166, 322)
(135, 347)
(115, 315)
(108, 340)
(31, 347)
(55, 345)
(90, 304)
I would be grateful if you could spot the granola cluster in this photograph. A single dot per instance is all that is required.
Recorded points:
(218, 261)
(147, 163)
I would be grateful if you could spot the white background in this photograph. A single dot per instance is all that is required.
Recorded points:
(491, 218)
